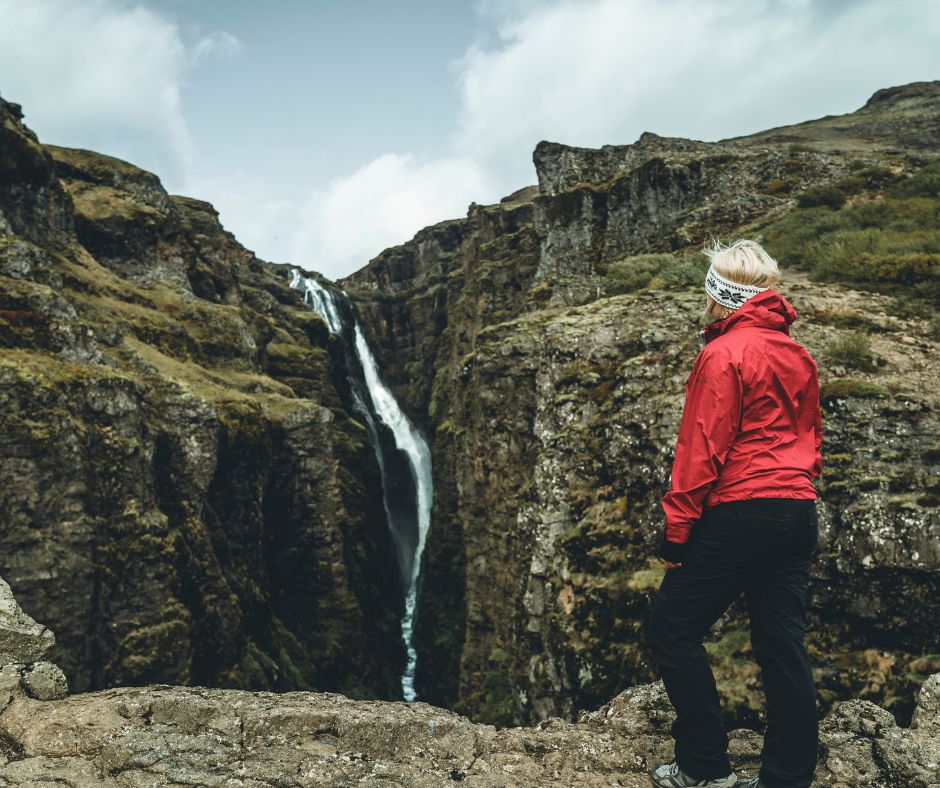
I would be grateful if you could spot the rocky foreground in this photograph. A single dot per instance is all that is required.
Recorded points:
(163, 735)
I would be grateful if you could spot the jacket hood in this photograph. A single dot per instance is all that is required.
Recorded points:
(768, 309)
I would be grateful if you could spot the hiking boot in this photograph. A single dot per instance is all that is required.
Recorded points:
(751, 782)
(669, 775)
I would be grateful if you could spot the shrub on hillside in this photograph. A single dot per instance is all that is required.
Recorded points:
(657, 270)
(822, 196)
(635, 271)
(923, 183)
(842, 388)
(682, 272)
(890, 244)
(851, 350)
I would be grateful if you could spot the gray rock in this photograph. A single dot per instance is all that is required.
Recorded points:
(45, 681)
(161, 735)
(21, 638)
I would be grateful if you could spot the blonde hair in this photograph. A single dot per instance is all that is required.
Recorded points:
(745, 262)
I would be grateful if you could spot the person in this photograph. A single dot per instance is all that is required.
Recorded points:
(740, 517)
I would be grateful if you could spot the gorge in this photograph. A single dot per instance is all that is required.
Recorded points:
(442, 481)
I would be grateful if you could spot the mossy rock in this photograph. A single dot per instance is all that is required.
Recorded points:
(847, 388)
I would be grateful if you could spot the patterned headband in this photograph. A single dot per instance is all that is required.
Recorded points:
(728, 293)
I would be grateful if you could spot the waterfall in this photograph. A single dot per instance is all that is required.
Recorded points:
(409, 531)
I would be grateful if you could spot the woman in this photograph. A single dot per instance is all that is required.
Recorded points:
(741, 518)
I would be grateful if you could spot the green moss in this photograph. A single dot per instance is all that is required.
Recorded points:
(898, 503)
(647, 579)
(737, 676)
(660, 271)
(251, 671)
(842, 388)
(850, 319)
(102, 203)
(498, 704)
(158, 652)
(777, 186)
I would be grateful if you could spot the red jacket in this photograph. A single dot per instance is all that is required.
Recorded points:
(751, 426)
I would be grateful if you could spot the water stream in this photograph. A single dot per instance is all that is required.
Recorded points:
(408, 524)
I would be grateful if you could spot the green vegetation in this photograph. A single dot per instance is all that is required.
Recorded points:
(659, 271)
(842, 388)
(493, 700)
(849, 319)
(889, 243)
(851, 350)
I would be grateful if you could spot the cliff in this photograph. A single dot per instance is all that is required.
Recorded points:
(186, 497)
(163, 735)
(544, 342)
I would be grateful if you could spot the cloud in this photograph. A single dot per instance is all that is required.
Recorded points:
(604, 71)
(384, 202)
(217, 45)
(338, 228)
(105, 76)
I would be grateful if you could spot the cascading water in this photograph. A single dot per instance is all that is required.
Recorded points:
(409, 536)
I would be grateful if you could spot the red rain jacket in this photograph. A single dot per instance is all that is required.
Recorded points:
(751, 426)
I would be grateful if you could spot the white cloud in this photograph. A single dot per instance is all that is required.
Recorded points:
(218, 44)
(594, 72)
(105, 76)
(384, 202)
(338, 228)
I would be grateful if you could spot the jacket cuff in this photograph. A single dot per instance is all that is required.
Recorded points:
(671, 551)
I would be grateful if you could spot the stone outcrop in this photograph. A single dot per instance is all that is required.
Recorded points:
(553, 396)
(162, 735)
(23, 644)
(186, 496)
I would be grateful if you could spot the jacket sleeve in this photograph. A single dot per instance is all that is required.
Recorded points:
(711, 420)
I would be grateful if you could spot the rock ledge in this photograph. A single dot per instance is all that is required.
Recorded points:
(163, 735)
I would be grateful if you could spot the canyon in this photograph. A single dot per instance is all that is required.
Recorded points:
(194, 506)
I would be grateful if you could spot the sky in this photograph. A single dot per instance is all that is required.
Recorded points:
(327, 130)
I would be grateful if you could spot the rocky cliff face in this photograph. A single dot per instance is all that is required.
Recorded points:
(161, 735)
(553, 392)
(186, 497)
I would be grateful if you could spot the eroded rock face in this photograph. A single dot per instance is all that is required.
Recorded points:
(186, 498)
(658, 194)
(554, 401)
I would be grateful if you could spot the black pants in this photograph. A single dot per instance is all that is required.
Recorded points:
(762, 547)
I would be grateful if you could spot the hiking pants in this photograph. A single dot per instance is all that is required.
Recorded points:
(762, 547)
